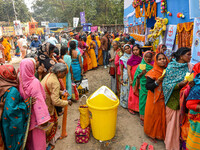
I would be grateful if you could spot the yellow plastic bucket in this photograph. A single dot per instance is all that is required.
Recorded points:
(103, 105)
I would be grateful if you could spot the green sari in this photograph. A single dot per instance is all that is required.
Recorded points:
(142, 90)
(15, 119)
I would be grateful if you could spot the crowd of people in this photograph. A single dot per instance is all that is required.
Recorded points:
(168, 104)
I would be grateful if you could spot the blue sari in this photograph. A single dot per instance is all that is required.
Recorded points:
(68, 61)
(124, 91)
(15, 119)
(76, 68)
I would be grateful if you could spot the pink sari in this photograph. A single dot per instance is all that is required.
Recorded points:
(133, 99)
(30, 87)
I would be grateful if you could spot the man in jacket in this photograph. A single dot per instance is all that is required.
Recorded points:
(105, 45)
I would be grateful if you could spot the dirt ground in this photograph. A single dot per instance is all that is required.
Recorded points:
(128, 130)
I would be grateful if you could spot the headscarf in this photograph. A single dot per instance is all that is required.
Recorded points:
(45, 59)
(125, 57)
(138, 71)
(175, 73)
(30, 86)
(27, 72)
(134, 60)
(8, 78)
(196, 69)
(154, 74)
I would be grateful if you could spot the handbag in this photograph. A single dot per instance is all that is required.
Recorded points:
(112, 71)
(84, 113)
(83, 87)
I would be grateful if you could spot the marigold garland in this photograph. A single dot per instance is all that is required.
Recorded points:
(148, 13)
(138, 37)
(185, 26)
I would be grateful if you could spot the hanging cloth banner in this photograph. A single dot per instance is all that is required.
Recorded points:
(171, 35)
(32, 27)
(94, 28)
(82, 15)
(17, 27)
(75, 22)
(196, 41)
(8, 30)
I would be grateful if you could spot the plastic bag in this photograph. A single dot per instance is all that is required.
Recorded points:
(84, 114)
(83, 88)
(75, 93)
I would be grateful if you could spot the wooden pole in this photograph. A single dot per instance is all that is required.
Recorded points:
(64, 122)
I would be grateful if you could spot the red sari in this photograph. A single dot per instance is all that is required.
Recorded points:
(133, 99)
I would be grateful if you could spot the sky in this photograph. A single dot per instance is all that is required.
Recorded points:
(29, 3)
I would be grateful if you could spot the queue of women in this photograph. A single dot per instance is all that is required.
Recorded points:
(167, 103)
(31, 97)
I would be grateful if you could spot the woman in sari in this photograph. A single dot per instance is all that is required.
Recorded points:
(184, 121)
(124, 76)
(39, 111)
(7, 49)
(69, 77)
(45, 60)
(52, 88)
(133, 62)
(87, 63)
(193, 104)
(112, 53)
(119, 54)
(140, 81)
(14, 111)
(100, 53)
(92, 52)
(77, 67)
(154, 119)
(172, 84)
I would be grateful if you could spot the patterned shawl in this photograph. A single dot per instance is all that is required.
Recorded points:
(175, 73)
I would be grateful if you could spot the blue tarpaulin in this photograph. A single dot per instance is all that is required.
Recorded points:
(58, 25)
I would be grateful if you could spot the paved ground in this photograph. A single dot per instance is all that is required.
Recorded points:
(128, 132)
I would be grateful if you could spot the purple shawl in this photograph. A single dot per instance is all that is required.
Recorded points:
(134, 60)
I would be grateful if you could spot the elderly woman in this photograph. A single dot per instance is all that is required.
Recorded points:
(51, 86)
(172, 84)
(13, 121)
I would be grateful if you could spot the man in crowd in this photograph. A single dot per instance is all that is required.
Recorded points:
(105, 45)
(36, 42)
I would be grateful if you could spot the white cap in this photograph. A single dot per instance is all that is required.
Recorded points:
(35, 36)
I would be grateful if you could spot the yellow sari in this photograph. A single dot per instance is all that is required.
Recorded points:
(92, 54)
(7, 49)
(100, 54)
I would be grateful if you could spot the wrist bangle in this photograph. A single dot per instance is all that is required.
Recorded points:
(138, 77)
(156, 83)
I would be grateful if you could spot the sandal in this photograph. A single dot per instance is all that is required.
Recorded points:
(133, 148)
(144, 146)
(150, 147)
(131, 112)
(127, 147)
(50, 147)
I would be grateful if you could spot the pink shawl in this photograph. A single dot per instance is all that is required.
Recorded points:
(30, 86)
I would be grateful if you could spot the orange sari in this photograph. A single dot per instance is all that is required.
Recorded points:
(154, 118)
